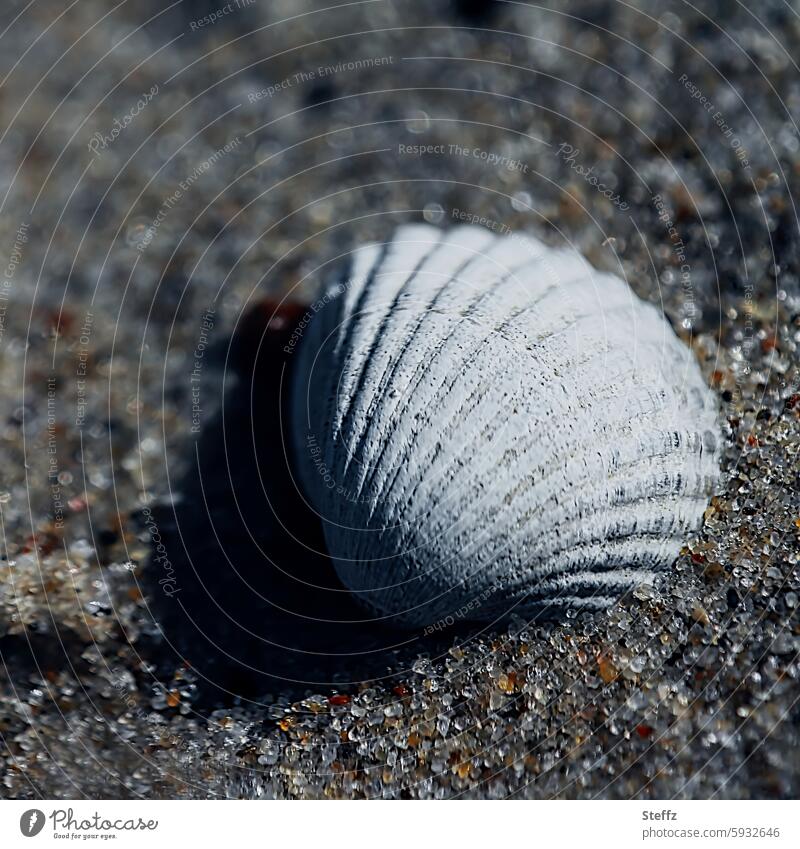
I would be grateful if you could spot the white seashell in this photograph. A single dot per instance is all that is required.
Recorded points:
(487, 425)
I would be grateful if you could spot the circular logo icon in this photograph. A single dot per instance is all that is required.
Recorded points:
(31, 822)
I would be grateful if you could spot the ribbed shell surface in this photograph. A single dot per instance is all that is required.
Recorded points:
(487, 425)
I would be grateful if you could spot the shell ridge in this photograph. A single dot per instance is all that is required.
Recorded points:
(423, 367)
(428, 460)
(550, 549)
(313, 386)
(442, 393)
(378, 392)
(618, 522)
(359, 306)
(671, 496)
(368, 359)
(623, 473)
(389, 375)
(618, 555)
(354, 283)
(622, 416)
(581, 583)
(366, 277)
(637, 457)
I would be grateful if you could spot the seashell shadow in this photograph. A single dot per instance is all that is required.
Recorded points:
(252, 601)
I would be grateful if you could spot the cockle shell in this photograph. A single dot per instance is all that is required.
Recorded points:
(487, 425)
